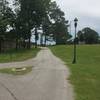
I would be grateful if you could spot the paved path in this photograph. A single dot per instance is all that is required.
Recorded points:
(47, 81)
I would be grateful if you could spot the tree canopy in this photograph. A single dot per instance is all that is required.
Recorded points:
(88, 35)
(17, 23)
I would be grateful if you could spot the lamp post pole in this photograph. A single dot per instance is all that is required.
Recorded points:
(75, 25)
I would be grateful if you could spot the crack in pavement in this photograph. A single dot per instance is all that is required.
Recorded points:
(9, 91)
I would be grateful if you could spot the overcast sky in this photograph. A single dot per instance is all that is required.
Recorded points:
(87, 12)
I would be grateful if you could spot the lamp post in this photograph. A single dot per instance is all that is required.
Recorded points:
(75, 25)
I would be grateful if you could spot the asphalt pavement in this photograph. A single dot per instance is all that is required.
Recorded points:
(47, 81)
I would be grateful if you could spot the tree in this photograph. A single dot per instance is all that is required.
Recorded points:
(59, 27)
(80, 36)
(6, 19)
(88, 35)
(31, 14)
(46, 27)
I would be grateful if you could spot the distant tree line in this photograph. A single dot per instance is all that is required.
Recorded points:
(25, 16)
(88, 36)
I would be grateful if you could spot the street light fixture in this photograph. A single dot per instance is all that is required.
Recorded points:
(75, 25)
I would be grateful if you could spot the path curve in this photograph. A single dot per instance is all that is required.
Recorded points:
(29, 62)
(47, 81)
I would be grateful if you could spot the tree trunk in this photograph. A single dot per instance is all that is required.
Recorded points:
(0, 46)
(45, 39)
(16, 44)
(24, 43)
(29, 42)
(36, 36)
(41, 40)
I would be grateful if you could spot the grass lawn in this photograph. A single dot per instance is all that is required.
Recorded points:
(20, 55)
(85, 75)
(14, 72)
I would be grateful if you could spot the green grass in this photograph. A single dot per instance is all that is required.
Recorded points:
(10, 71)
(20, 55)
(85, 75)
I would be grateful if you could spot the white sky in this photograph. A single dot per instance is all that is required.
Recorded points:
(87, 12)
